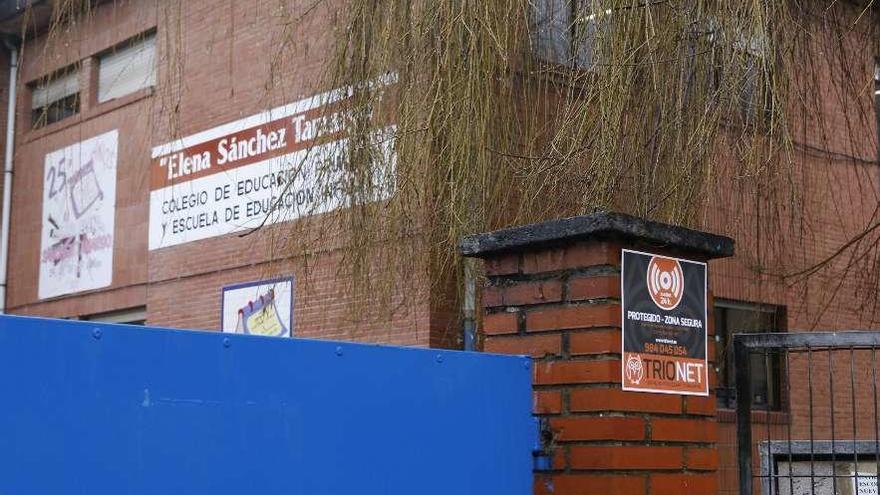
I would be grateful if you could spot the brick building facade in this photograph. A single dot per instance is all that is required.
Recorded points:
(177, 286)
(212, 69)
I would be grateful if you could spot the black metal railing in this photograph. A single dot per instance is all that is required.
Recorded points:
(825, 438)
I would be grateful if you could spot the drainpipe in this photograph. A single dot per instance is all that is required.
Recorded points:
(7, 169)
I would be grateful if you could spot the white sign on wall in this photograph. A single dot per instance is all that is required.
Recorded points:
(79, 201)
(264, 307)
(274, 166)
(865, 484)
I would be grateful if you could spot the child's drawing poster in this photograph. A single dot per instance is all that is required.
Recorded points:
(79, 202)
(259, 308)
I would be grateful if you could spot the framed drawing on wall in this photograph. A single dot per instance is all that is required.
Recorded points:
(262, 307)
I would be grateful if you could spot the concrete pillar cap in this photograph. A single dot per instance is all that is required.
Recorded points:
(597, 226)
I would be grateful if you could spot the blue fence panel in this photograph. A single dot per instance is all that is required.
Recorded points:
(97, 409)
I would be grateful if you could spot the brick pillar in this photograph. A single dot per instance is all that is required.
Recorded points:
(553, 292)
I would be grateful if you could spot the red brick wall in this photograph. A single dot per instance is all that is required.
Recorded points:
(213, 68)
(130, 115)
(217, 62)
(821, 200)
(562, 307)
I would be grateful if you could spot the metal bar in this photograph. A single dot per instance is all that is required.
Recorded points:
(770, 468)
(831, 403)
(801, 448)
(852, 388)
(855, 339)
(743, 415)
(876, 423)
(812, 437)
(807, 476)
(788, 424)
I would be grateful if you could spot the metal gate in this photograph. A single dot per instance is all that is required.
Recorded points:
(822, 435)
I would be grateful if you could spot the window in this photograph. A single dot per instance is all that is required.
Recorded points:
(570, 33)
(131, 316)
(750, 95)
(127, 68)
(565, 32)
(735, 317)
(753, 97)
(55, 98)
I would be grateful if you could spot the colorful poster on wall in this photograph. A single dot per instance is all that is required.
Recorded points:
(271, 167)
(664, 340)
(79, 210)
(262, 307)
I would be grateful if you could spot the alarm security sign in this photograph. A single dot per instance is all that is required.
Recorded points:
(664, 324)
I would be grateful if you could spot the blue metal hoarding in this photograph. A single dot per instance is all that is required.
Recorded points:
(109, 409)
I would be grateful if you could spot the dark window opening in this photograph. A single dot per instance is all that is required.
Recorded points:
(55, 111)
(55, 98)
(766, 370)
(131, 316)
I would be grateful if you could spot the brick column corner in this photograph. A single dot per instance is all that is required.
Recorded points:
(553, 292)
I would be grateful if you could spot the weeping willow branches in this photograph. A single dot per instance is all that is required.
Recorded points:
(753, 118)
(718, 115)
(518, 111)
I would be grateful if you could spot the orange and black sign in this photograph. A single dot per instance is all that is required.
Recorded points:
(664, 324)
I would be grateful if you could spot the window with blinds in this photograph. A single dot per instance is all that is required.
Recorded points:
(127, 68)
(55, 98)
